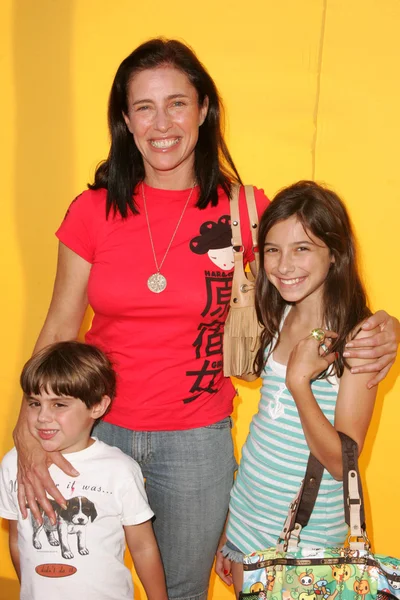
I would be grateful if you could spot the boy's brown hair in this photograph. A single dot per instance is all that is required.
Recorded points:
(70, 369)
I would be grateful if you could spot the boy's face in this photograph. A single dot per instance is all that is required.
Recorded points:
(62, 423)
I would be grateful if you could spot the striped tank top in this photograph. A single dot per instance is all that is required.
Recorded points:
(273, 465)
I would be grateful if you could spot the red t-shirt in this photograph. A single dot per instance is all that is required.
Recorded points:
(166, 347)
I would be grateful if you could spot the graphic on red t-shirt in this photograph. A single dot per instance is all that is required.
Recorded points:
(215, 240)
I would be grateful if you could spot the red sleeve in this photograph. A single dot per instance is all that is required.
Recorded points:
(80, 227)
(261, 203)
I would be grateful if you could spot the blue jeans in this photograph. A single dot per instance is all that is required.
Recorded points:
(189, 475)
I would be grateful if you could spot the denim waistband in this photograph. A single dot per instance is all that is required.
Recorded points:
(229, 550)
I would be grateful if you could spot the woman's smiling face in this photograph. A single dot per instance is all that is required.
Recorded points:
(164, 117)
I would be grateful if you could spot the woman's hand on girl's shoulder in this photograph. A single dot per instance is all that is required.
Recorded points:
(377, 348)
(362, 338)
(308, 359)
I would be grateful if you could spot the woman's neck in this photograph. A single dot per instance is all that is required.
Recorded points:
(180, 178)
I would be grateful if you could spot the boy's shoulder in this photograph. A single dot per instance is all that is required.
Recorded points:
(10, 460)
(115, 456)
(110, 457)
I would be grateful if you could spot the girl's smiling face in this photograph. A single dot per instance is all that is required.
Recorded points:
(296, 262)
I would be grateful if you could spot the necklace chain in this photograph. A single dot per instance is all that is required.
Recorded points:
(159, 266)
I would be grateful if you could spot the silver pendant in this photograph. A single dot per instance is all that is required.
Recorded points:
(157, 283)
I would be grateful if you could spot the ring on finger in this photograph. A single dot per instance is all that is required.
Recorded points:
(318, 334)
(324, 348)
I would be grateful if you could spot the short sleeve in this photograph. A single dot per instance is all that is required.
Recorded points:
(262, 203)
(135, 506)
(8, 496)
(82, 222)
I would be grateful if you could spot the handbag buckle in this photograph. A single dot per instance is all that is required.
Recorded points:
(359, 542)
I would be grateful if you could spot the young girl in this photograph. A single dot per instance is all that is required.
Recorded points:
(311, 300)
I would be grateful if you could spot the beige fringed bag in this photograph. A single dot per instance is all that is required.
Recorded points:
(242, 329)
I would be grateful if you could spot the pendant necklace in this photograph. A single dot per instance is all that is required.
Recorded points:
(157, 282)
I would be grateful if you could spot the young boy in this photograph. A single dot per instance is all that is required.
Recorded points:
(69, 386)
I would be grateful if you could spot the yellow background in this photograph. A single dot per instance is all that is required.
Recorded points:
(310, 87)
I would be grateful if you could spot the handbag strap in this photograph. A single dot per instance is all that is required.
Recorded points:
(353, 498)
(311, 485)
(253, 216)
(235, 215)
(301, 508)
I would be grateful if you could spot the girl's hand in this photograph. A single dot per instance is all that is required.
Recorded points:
(223, 565)
(308, 359)
(381, 348)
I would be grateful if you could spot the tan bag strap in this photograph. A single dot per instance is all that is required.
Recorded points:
(235, 218)
(235, 215)
(253, 217)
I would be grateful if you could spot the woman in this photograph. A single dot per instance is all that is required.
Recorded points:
(138, 247)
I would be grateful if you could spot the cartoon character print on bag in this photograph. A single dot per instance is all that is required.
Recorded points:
(391, 566)
(394, 584)
(332, 581)
(321, 589)
(361, 588)
(308, 595)
(306, 578)
(215, 240)
(270, 581)
(257, 587)
(72, 520)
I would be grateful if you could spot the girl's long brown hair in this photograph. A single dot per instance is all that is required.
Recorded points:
(322, 212)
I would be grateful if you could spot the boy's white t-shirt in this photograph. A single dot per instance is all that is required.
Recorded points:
(108, 494)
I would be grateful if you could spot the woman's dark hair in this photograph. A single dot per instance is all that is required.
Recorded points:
(70, 369)
(124, 169)
(322, 212)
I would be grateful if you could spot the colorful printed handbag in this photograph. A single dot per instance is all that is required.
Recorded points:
(288, 572)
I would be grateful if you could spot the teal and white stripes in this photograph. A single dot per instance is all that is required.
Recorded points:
(274, 460)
